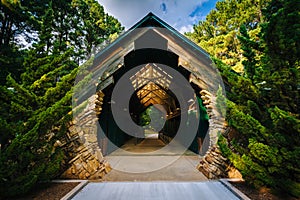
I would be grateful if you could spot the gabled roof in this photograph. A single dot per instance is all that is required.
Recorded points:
(152, 20)
(188, 56)
(191, 56)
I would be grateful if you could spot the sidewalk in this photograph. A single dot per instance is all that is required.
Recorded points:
(210, 190)
(164, 174)
(147, 161)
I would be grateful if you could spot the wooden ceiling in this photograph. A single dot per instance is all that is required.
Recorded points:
(152, 84)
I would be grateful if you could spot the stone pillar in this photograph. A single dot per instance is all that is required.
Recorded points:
(213, 165)
(217, 122)
(85, 157)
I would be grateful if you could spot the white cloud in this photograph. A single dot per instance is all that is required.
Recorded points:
(180, 14)
(187, 28)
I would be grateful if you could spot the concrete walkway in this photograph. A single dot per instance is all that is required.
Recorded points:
(210, 190)
(141, 172)
(142, 162)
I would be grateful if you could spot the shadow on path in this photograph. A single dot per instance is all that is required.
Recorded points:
(131, 159)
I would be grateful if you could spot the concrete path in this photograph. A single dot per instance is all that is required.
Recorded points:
(210, 190)
(176, 179)
(143, 162)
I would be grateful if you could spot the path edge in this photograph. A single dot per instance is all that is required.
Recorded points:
(75, 190)
(234, 190)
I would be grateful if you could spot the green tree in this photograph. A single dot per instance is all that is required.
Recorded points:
(217, 34)
(19, 22)
(282, 37)
(263, 103)
(41, 98)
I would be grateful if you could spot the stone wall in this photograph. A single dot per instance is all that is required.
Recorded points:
(84, 157)
(213, 165)
(217, 123)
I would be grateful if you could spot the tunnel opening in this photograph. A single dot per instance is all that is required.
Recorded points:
(150, 41)
(152, 106)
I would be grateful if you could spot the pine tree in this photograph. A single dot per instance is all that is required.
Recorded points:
(41, 99)
(217, 34)
(282, 37)
(262, 104)
(19, 22)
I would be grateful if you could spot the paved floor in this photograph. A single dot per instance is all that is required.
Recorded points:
(210, 190)
(147, 161)
(148, 171)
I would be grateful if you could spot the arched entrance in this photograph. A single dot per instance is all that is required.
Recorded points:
(151, 57)
(150, 83)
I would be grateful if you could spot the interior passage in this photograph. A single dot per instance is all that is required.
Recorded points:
(131, 157)
(154, 107)
(164, 105)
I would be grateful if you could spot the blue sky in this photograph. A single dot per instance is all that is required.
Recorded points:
(180, 14)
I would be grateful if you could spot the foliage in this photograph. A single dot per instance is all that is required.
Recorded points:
(19, 22)
(218, 33)
(263, 102)
(151, 115)
(156, 118)
(144, 118)
(37, 98)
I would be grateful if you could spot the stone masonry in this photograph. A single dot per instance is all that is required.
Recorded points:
(213, 165)
(86, 160)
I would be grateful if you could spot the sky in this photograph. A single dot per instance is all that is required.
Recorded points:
(180, 14)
